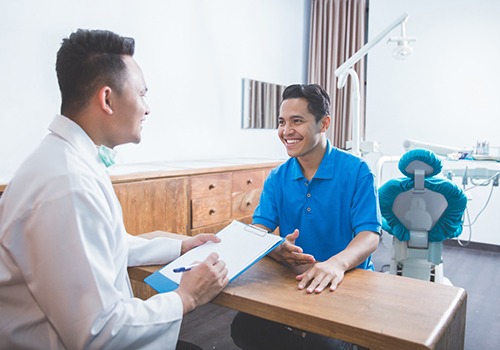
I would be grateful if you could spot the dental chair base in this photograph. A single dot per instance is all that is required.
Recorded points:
(419, 263)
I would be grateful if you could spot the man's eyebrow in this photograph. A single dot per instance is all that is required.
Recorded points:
(298, 116)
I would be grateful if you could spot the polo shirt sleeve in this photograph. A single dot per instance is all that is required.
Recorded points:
(365, 214)
(266, 213)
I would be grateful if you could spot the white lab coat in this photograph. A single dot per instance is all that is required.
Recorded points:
(64, 254)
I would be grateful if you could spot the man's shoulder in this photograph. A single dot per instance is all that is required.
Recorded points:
(345, 156)
(285, 167)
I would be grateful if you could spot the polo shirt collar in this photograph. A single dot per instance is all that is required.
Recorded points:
(326, 167)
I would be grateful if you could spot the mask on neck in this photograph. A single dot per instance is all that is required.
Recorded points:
(107, 155)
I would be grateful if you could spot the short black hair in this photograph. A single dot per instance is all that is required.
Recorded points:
(317, 98)
(87, 60)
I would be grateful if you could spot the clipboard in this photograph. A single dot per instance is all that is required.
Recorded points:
(241, 246)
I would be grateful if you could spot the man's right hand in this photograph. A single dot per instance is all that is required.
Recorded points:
(290, 253)
(202, 283)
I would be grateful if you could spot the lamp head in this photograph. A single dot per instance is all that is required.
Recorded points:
(403, 50)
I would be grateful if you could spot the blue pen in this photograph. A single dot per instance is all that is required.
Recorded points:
(186, 268)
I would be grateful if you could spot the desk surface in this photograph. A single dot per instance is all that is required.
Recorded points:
(372, 309)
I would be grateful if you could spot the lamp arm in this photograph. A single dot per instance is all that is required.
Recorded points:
(347, 69)
(355, 111)
(367, 47)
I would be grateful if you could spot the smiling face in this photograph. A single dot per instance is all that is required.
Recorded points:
(129, 108)
(299, 131)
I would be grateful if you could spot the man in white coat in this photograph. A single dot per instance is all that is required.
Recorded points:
(64, 250)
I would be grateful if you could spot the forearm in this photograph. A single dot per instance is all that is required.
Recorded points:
(158, 250)
(276, 253)
(357, 251)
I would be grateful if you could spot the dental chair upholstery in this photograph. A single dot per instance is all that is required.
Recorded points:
(421, 211)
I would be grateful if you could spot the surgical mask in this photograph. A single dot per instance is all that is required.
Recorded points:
(107, 155)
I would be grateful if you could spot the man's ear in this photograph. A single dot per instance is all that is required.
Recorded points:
(105, 101)
(325, 123)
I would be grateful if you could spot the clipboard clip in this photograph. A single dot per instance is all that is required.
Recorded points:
(256, 230)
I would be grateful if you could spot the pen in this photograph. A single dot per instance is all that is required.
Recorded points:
(186, 268)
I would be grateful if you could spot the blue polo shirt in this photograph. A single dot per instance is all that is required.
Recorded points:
(340, 201)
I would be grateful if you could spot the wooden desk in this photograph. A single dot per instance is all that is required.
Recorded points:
(372, 309)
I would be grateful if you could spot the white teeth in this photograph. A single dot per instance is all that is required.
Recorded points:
(292, 141)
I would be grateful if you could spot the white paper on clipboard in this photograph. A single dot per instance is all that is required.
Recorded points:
(240, 247)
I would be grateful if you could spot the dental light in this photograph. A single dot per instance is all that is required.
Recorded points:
(402, 51)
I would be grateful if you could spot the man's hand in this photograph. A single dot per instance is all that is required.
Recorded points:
(331, 272)
(321, 275)
(197, 240)
(202, 283)
(291, 254)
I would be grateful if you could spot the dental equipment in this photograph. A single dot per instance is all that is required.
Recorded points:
(421, 211)
(440, 150)
(402, 51)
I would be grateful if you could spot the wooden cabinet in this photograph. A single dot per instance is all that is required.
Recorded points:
(190, 200)
(156, 204)
(202, 200)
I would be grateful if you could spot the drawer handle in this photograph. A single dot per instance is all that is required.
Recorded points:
(249, 203)
(211, 212)
(211, 186)
(249, 182)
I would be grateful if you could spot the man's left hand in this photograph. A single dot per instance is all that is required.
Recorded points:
(197, 240)
(319, 276)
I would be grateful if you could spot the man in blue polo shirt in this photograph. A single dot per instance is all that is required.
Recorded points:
(324, 201)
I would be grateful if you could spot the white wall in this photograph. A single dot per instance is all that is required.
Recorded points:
(447, 92)
(194, 54)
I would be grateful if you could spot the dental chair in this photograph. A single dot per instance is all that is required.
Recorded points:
(421, 211)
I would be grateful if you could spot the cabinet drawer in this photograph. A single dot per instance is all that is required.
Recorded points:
(208, 211)
(244, 203)
(247, 187)
(247, 180)
(211, 185)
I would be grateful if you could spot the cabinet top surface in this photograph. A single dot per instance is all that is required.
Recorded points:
(151, 170)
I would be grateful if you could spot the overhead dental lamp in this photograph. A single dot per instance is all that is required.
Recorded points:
(402, 51)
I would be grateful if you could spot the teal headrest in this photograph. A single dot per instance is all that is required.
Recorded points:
(409, 160)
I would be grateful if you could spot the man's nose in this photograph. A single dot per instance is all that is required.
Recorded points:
(287, 129)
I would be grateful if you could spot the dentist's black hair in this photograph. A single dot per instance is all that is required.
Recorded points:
(88, 60)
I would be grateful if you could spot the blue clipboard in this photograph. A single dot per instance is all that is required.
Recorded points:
(241, 246)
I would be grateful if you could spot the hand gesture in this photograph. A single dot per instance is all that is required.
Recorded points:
(290, 253)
